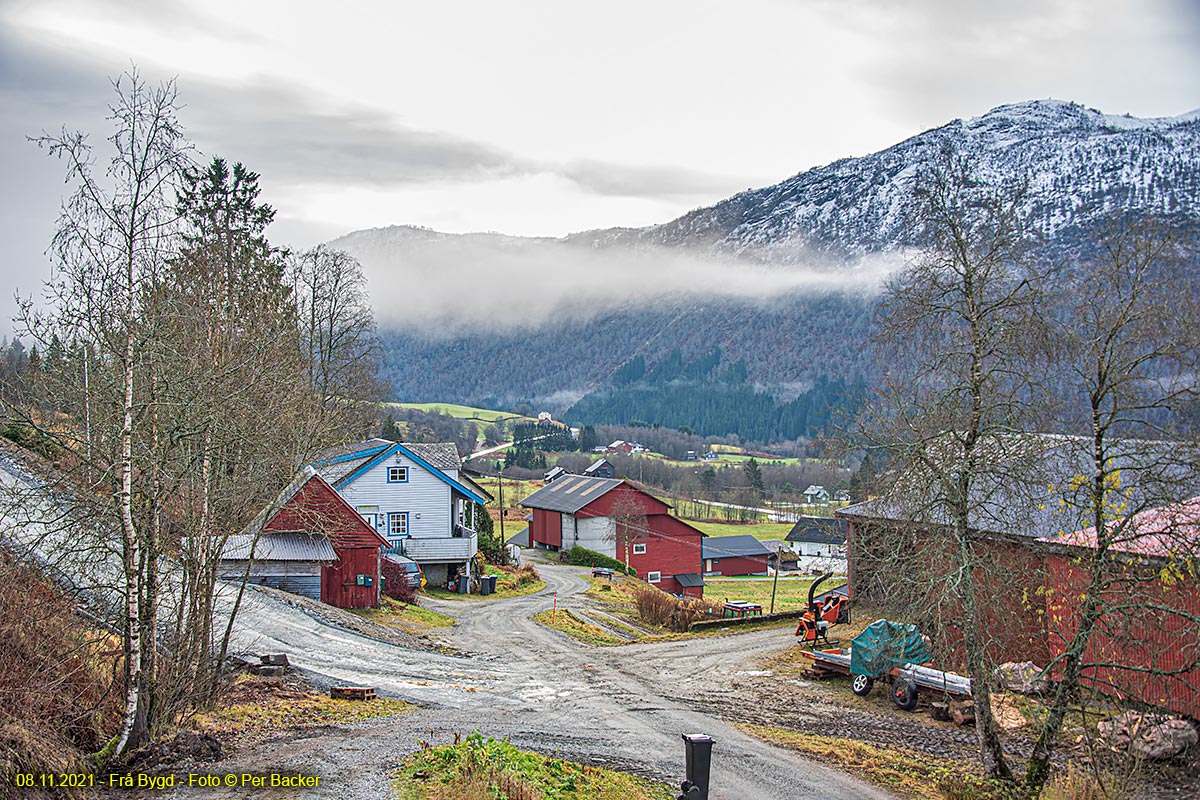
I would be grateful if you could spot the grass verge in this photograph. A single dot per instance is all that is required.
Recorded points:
(573, 626)
(790, 595)
(759, 530)
(406, 617)
(906, 773)
(268, 704)
(486, 769)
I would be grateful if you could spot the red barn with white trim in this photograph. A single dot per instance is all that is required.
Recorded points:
(619, 520)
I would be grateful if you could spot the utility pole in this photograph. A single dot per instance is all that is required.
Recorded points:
(774, 583)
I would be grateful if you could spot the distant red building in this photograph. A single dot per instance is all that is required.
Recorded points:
(594, 513)
(734, 555)
(312, 543)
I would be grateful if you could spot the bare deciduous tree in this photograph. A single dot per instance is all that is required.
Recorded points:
(956, 332)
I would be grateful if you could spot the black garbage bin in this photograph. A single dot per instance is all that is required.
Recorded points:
(492, 582)
(487, 584)
(464, 584)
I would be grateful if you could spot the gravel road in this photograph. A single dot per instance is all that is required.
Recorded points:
(520, 680)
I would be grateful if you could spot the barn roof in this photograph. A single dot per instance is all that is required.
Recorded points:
(1026, 492)
(821, 530)
(1172, 530)
(570, 493)
(732, 547)
(279, 547)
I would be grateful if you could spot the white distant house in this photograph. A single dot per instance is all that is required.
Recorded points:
(415, 496)
(816, 495)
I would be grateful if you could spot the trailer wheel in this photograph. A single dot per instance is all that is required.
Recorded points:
(862, 685)
(904, 694)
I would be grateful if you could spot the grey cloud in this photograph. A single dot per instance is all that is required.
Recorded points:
(297, 138)
(648, 181)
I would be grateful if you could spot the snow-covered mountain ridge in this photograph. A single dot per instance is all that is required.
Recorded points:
(1078, 163)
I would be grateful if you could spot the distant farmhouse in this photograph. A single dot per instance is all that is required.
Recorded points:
(816, 495)
(585, 511)
(823, 537)
(600, 469)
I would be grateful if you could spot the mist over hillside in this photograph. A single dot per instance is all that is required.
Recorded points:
(781, 279)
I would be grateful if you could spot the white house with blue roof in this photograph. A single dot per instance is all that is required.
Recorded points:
(415, 495)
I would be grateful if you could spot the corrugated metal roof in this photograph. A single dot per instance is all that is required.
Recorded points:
(1026, 498)
(570, 493)
(732, 547)
(279, 547)
(689, 580)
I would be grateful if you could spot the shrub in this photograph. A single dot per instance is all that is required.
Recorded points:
(583, 557)
(395, 583)
(656, 607)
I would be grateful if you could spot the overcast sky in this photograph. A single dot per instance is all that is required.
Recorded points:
(549, 117)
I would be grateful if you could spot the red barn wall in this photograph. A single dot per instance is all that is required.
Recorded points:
(604, 505)
(339, 586)
(546, 528)
(739, 565)
(1144, 639)
(672, 548)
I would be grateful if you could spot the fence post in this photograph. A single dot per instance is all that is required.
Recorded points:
(698, 754)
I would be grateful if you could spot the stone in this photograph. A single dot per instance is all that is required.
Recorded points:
(1023, 678)
(1150, 736)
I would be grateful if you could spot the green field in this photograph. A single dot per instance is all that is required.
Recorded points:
(462, 412)
(792, 593)
(759, 530)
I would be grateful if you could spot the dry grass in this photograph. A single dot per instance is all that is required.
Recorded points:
(906, 773)
(60, 697)
(253, 704)
(577, 629)
(409, 618)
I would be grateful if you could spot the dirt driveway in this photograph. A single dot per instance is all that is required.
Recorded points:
(540, 689)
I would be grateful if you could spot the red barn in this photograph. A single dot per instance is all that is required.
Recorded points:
(1147, 645)
(619, 520)
(312, 543)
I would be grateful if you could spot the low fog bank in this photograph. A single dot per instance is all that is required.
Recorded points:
(446, 284)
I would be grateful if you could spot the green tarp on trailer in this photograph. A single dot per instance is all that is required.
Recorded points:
(885, 645)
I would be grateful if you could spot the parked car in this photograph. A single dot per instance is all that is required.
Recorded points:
(410, 569)
(602, 572)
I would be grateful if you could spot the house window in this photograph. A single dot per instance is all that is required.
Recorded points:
(368, 513)
(653, 577)
(398, 523)
(639, 549)
(397, 474)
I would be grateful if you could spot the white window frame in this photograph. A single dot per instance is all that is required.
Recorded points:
(653, 577)
(392, 518)
(639, 549)
(402, 471)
